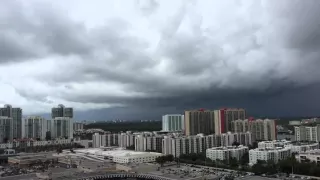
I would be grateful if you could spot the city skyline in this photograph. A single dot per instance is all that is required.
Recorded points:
(141, 59)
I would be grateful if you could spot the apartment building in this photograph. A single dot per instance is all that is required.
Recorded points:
(35, 127)
(199, 121)
(16, 115)
(223, 119)
(307, 133)
(273, 144)
(261, 129)
(311, 155)
(226, 152)
(173, 122)
(77, 126)
(265, 154)
(5, 129)
(62, 111)
(98, 140)
(199, 143)
(62, 127)
(112, 140)
(298, 147)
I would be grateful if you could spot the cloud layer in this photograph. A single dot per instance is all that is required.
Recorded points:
(159, 54)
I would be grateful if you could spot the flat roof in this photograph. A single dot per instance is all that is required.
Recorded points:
(117, 152)
(228, 147)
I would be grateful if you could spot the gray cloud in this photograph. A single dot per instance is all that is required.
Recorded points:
(256, 61)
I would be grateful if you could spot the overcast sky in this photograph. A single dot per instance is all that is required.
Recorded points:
(143, 58)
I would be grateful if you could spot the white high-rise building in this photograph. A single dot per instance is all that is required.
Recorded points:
(98, 140)
(173, 122)
(34, 127)
(5, 129)
(62, 127)
(307, 133)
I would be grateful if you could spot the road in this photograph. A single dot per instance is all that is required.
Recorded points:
(20, 177)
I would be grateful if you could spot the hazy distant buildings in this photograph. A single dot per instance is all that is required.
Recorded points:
(61, 111)
(16, 115)
(35, 127)
(77, 126)
(224, 117)
(199, 121)
(5, 129)
(173, 122)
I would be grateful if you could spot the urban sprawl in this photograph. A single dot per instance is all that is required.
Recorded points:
(211, 144)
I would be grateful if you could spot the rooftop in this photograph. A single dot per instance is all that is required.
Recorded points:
(116, 152)
(270, 149)
(312, 152)
(228, 147)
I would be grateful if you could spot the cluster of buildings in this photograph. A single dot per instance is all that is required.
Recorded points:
(218, 122)
(307, 133)
(14, 127)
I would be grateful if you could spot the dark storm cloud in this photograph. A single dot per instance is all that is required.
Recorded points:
(240, 70)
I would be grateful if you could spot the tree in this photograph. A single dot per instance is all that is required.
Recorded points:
(244, 159)
(233, 162)
(169, 158)
(48, 136)
(235, 143)
(160, 160)
(59, 150)
(5, 140)
(132, 147)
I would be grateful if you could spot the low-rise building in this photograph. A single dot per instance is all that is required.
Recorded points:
(297, 147)
(225, 153)
(273, 144)
(136, 158)
(26, 159)
(275, 154)
(311, 155)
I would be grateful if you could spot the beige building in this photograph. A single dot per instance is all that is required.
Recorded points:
(224, 118)
(199, 121)
(261, 129)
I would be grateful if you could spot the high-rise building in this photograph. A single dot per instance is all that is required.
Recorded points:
(61, 111)
(5, 129)
(262, 130)
(98, 140)
(77, 126)
(224, 117)
(307, 133)
(173, 122)
(35, 127)
(199, 121)
(62, 127)
(16, 115)
(62, 122)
